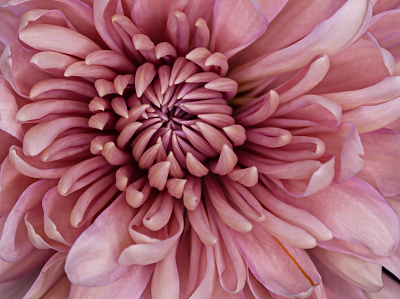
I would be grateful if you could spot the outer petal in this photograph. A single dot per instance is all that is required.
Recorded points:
(280, 268)
(236, 24)
(9, 26)
(14, 242)
(365, 275)
(51, 272)
(8, 111)
(93, 259)
(354, 212)
(391, 289)
(329, 37)
(382, 161)
(131, 285)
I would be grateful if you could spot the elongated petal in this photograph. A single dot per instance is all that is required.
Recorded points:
(105, 238)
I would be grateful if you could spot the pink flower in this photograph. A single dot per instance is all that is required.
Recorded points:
(199, 149)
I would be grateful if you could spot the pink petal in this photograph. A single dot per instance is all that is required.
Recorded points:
(235, 25)
(101, 244)
(8, 111)
(365, 275)
(145, 253)
(381, 161)
(165, 280)
(348, 149)
(324, 39)
(348, 70)
(390, 289)
(292, 277)
(17, 70)
(14, 242)
(367, 220)
(45, 37)
(295, 20)
(9, 25)
(51, 272)
(131, 285)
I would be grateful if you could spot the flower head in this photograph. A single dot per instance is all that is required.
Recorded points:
(199, 149)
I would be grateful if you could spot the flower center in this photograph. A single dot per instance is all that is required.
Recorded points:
(172, 120)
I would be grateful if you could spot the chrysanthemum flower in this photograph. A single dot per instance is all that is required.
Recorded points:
(199, 149)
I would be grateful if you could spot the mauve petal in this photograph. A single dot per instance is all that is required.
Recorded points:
(14, 242)
(8, 111)
(294, 21)
(382, 161)
(367, 219)
(45, 37)
(384, 5)
(383, 91)
(93, 259)
(271, 8)
(151, 17)
(256, 288)
(305, 80)
(16, 69)
(103, 11)
(51, 272)
(153, 250)
(370, 118)
(57, 210)
(11, 271)
(60, 290)
(77, 12)
(9, 25)
(230, 264)
(165, 280)
(365, 275)
(17, 288)
(347, 147)
(391, 289)
(131, 285)
(13, 184)
(340, 287)
(6, 140)
(236, 24)
(280, 268)
(383, 26)
(327, 38)
(348, 70)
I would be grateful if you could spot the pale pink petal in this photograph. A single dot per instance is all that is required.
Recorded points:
(348, 149)
(51, 272)
(236, 25)
(14, 242)
(381, 158)
(290, 278)
(350, 20)
(367, 220)
(365, 275)
(131, 285)
(105, 238)
(390, 289)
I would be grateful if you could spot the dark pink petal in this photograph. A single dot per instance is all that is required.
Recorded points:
(236, 25)
(131, 285)
(279, 267)
(99, 247)
(381, 159)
